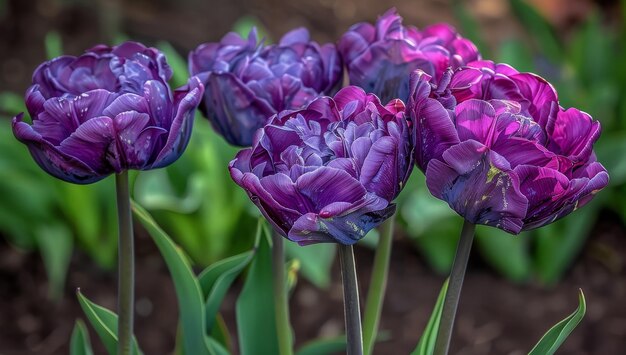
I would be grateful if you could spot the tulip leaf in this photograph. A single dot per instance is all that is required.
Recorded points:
(217, 348)
(558, 243)
(12, 104)
(541, 31)
(315, 261)
(553, 339)
(245, 24)
(176, 62)
(219, 332)
(188, 292)
(80, 343)
(324, 346)
(426, 345)
(55, 244)
(256, 324)
(516, 54)
(54, 44)
(105, 323)
(506, 253)
(469, 27)
(217, 278)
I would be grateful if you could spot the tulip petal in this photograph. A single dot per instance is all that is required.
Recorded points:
(479, 185)
(233, 109)
(50, 159)
(94, 144)
(573, 134)
(379, 170)
(347, 230)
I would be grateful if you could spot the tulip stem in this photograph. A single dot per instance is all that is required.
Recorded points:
(377, 287)
(351, 306)
(451, 302)
(281, 303)
(126, 266)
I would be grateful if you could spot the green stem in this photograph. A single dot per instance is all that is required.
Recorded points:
(281, 303)
(378, 285)
(451, 302)
(126, 268)
(351, 304)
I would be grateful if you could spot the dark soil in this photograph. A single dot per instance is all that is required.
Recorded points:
(495, 317)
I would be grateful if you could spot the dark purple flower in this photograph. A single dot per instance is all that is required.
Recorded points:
(495, 144)
(106, 111)
(329, 172)
(248, 82)
(381, 58)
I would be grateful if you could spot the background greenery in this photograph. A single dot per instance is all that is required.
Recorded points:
(196, 203)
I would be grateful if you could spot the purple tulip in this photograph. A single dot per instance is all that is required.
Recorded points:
(329, 172)
(495, 144)
(247, 82)
(106, 111)
(381, 58)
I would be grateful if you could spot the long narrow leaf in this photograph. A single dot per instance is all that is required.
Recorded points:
(80, 343)
(541, 31)
(105, 324)
(190, 302)
(256, 322)
(217, 278)
(324, 346)
(553, 339)
(426, 345)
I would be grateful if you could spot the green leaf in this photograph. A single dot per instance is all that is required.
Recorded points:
(509, 254)
(558, 243)
(188, 292)
(245, 24)
(516, 54)
(324, 346)
(12, 104)
(315, 261)
(216, 348)
(105, 323)
(541, 31)
(217, 278)
(426, 345)
(176, 62)
(54, 44)
(220, 333)
(432, 226)
(553, 339)
(256, 324)
(610, 153)
(55, 245)
(80, 343)
(469, 27)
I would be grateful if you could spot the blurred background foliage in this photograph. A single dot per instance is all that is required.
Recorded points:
(198, 205)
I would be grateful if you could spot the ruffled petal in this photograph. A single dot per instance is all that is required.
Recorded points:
(479, 185)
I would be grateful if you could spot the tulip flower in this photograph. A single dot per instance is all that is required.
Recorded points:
(380, 58)
(496, 146)
(106, 111)
(329, 172)
(247, 82)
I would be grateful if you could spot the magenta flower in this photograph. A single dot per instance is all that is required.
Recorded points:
(106, 111)
(495, 144)
(381, 58)
(248, 82)
(329, 172)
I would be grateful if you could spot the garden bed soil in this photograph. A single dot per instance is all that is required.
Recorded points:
(495, 316)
